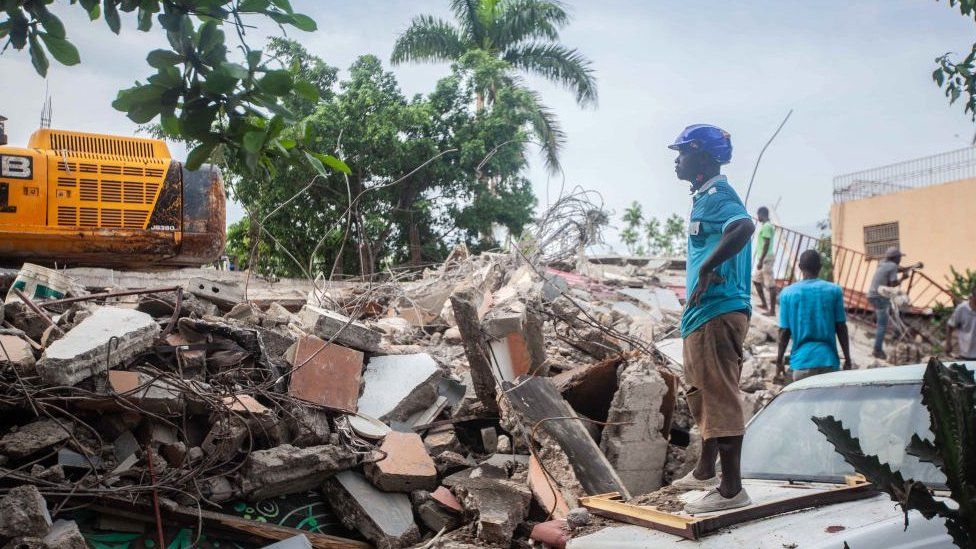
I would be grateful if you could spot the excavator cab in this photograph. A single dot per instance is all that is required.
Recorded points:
(75, 199)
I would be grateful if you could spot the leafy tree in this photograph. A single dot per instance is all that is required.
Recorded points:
(518, 36)
(425, 173)
(958, 76)
(633, 219)
(666, 238)
(198, 93)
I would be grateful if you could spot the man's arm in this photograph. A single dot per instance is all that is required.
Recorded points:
(845, 342)
(784, 340)
(734, 238)
(762, 254)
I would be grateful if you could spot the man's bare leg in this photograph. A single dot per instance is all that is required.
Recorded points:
(730, 451)
(705, 469)
(762, 294)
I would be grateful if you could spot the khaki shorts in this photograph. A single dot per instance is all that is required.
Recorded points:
(764, 276)
(712, 366)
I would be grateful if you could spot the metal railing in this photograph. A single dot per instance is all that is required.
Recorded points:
(852, 271)
(911, 174)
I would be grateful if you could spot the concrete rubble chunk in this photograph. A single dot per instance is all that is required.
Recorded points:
(339, 329)
(438, 510)
(23, 512)
(500, 506)
(325, 374)
(441, 440)
(222, 294)
(148, 392)
(225, 438)
(633, 440)
(384, 518)
(64, 534)
(396, 386)
(286, 469)
(516, 340)
(16, 353)
(107, 338)
(35, 437)
(295, 542)
(309, 427)
(406, 467)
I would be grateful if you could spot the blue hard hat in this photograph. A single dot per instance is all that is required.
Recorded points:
(705, 137)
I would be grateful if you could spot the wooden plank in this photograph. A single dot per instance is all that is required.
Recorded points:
(537, 402)
(696, 527)
(224, 526)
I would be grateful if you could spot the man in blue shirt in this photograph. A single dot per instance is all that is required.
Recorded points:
(811, 312)
(716, 316)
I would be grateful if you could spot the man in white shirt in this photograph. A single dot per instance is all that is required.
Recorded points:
(963, 324)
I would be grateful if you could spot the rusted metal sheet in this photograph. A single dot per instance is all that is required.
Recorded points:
(204, 216)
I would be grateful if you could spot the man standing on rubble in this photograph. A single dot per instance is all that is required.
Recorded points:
(963, 324)
(886, 274)
(762, 277)
(812, 314)
(716, 316)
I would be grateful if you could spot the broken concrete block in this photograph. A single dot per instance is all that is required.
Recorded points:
(328, 375)
(295, 542)
(217, 489)
(16, 353)
(192, 360)
(23, 512)
(309, 427)
(489, 440)
(396, 386)
(225, 438)
(500, 506)
(339, 329)
(221, 294)
(64, 534)
(148, 392)
(516, 339)
(107, 338)
(35, 437)
(384, 518)
(438, 510)
(406, 467)
(452, 335)
(633, 440)
(286, 469)
(441, 440)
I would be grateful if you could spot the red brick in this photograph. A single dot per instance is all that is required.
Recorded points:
(444, 496)
(332, 377)
(407, 466)
(244, 404)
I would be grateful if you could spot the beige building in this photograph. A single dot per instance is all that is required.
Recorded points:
(925, 207)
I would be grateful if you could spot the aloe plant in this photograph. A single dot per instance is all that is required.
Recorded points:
(949, 393)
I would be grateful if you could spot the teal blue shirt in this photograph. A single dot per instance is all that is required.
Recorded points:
(810, 309)
(713, 207)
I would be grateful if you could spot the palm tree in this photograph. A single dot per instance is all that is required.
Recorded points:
(522, 33)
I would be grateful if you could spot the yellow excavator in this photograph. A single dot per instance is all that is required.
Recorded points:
(83, 199)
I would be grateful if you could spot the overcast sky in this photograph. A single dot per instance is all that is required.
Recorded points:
(857, 75)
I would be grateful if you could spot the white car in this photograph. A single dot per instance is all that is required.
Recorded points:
(785, 454)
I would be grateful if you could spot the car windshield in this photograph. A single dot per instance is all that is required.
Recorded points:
(783, 443)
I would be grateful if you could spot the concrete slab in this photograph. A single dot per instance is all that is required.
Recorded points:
(23, 512)
(384, 518)
(339, 329)
(16, 353)
(34, 437)
(223, 294)
(105, 339)
(64, 534)
(286, 469)
(406, 467)
(500, 506)
(327, 375)
(146, 391)
(396, 386)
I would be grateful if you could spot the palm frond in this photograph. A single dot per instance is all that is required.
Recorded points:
(559, 64)
(522, 20)
(428, 39)
(467, 13)
(546, 128)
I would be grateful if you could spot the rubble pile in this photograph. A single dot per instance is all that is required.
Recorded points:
(470, 406)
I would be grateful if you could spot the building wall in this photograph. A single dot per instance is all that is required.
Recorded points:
(936, 225)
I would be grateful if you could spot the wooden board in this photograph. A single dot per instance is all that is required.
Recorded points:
(689, 527)
(536, 399)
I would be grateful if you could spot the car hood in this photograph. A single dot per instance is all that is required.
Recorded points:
(874, 522)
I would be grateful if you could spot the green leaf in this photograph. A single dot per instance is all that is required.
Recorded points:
(219, 81)
(52, 25)
(111, 15)
(38, 57)
(253, 141)
(316, 164)
(94, 12)
(160, 59)
(303, 22)
(254, 5)
(63, 51)
(234, 70)
(307, 90)
(170, 124)
(283, 5)
(200, 154)
(287, 143)
(278, 82)
(253, 59)
(938, 76)
(334, 163)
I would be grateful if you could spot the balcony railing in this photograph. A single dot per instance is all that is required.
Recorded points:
(911, 174)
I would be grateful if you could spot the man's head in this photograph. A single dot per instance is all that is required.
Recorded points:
(702, 149)
(893, 254)
(810, 263)
(762, 214)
